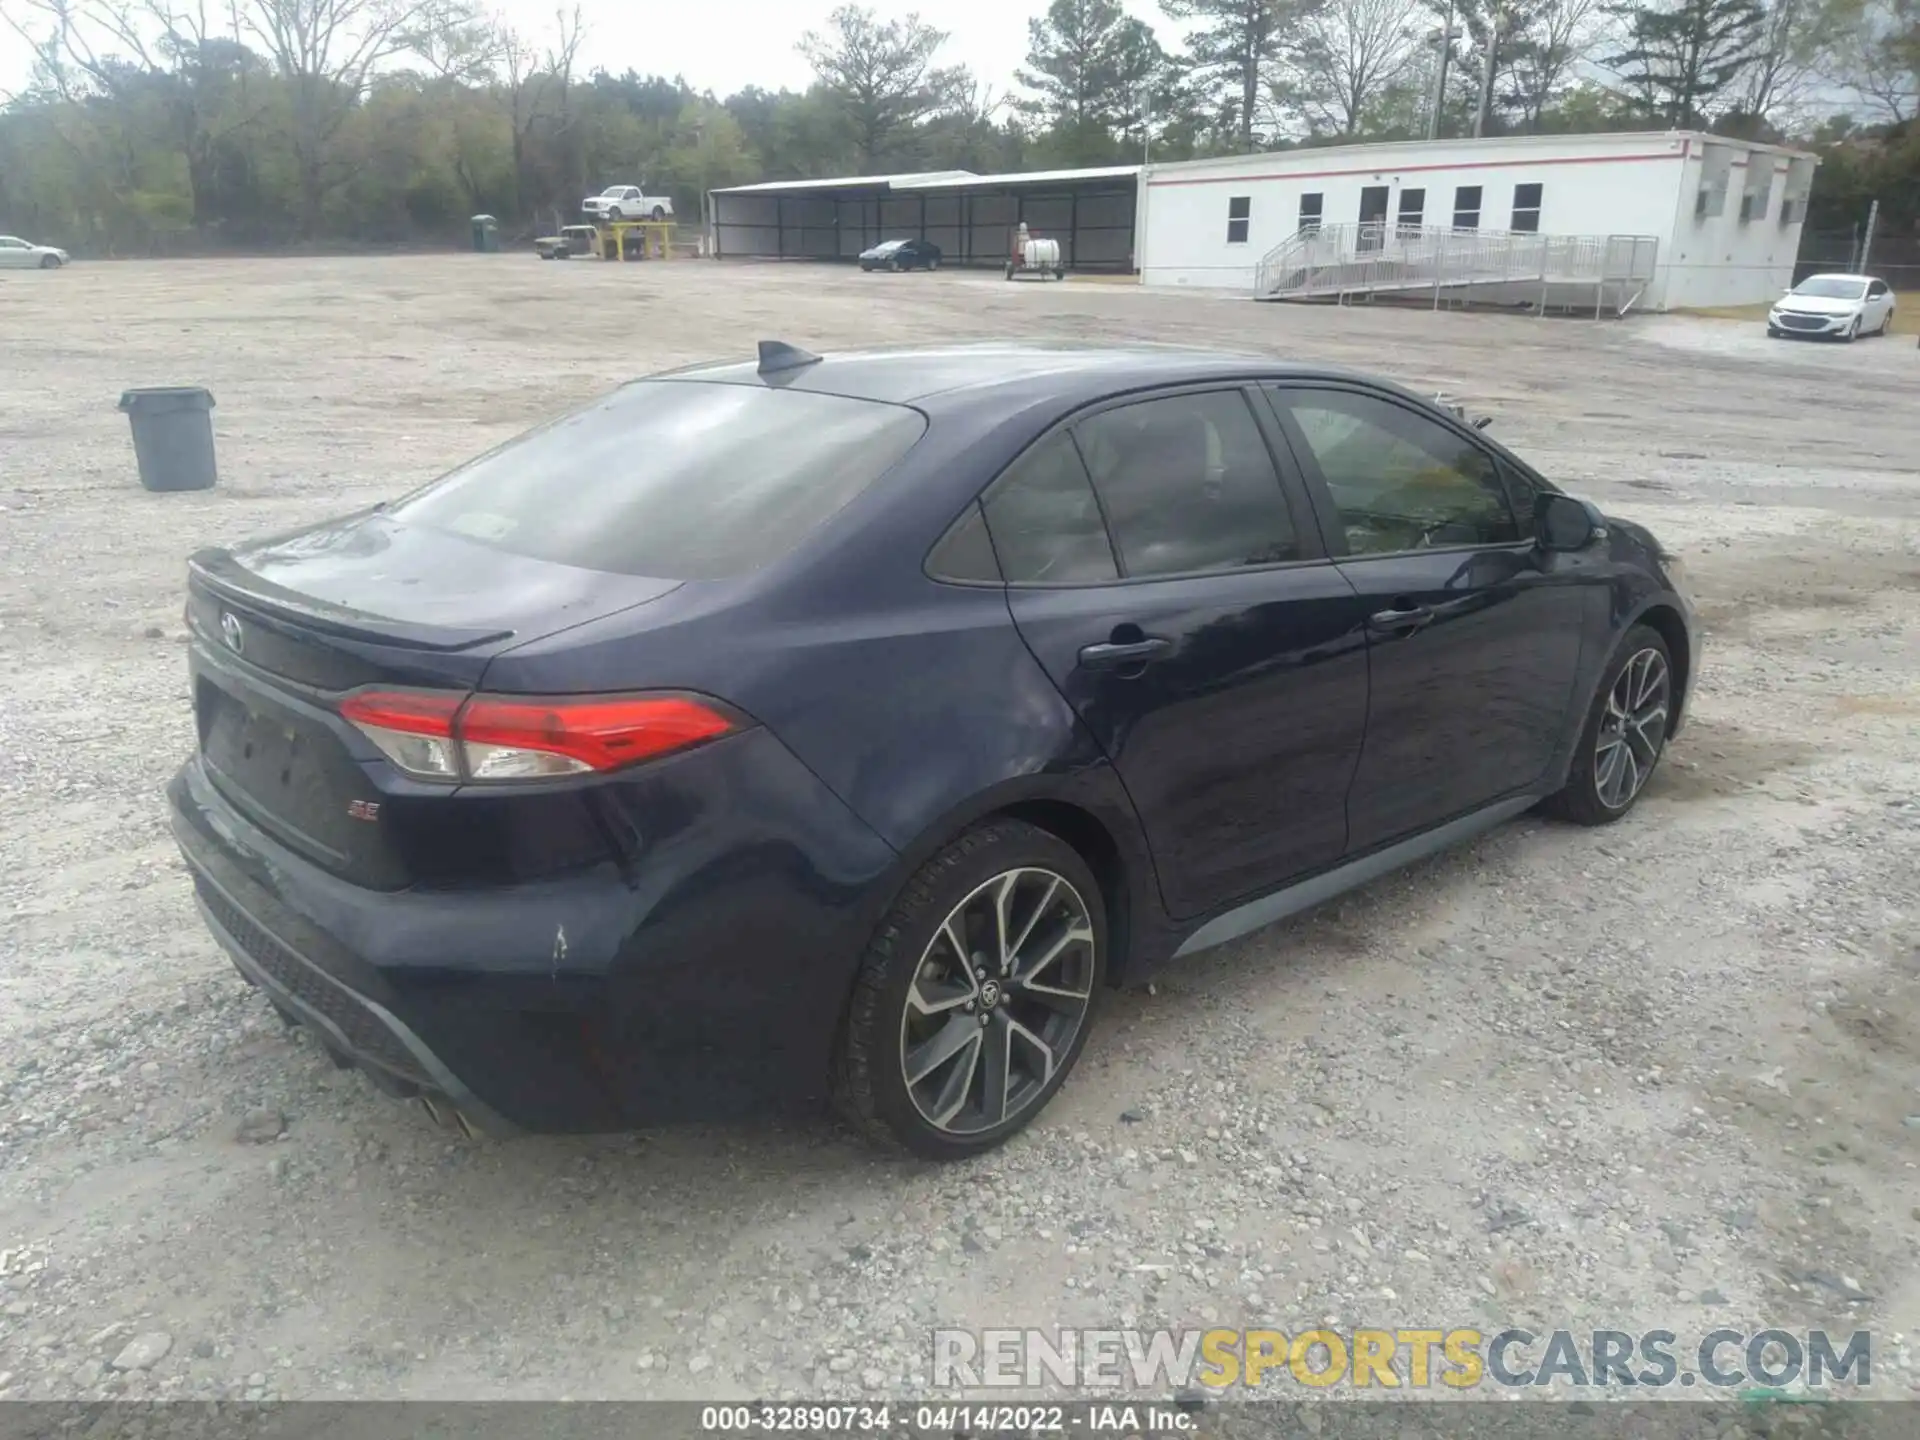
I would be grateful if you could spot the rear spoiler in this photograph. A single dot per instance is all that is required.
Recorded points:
(219, 574)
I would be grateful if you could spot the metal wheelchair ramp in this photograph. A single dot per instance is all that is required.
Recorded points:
(1604, 274)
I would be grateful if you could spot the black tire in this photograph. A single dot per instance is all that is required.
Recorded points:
(615, 213)
(869, 1084)
(933, 262)
(659, 213)
(1885, 326)
(893, 266)
(49, 262)
(1853, 331)
(1059, 274)
(1581, 800)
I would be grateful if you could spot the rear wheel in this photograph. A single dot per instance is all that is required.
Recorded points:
(933, 262)
(975, 995)
(615, 213)
(659, 213)
(1625, 734)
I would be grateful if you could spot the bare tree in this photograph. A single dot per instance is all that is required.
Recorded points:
(1341, 57)
(538, 93)
(1872, 50)
(179, 62)
(454, 42)
(327, 52)
(1544, 54)
(1794, 38)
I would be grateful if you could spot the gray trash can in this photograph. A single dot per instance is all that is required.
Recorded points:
(172, 436)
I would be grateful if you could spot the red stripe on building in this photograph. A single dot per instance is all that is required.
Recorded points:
(1417, 169)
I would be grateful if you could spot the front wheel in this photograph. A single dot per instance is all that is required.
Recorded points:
(975, 995)
(933, 262)
(1853, 331)
(49, 262)
(1625, 734)
(615, 213)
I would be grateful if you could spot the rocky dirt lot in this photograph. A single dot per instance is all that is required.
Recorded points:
(1664, 1075)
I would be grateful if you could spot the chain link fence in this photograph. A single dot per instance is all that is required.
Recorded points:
(1894, 258)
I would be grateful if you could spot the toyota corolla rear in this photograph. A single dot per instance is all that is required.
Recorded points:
(469, 800)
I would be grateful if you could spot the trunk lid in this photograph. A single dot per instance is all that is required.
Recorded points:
(283, 627)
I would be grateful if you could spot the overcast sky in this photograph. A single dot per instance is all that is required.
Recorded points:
(722, 45)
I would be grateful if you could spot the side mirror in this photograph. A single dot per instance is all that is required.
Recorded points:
(1563, 523)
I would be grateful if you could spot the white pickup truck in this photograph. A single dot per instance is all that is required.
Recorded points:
(627, 202)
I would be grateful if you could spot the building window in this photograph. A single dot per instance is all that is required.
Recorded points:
(1466, 207)
(1526, 208)
(1310, 206)
(1413, 209)
(1239, 211)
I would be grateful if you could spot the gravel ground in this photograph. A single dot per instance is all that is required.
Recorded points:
(1665, 1075)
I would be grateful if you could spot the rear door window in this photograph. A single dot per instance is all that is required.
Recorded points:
(1046, 524)
(680, 480)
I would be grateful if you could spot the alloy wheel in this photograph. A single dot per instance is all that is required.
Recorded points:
(1632, 729)
(998, 997)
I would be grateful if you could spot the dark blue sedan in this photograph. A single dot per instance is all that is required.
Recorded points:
(901, 255)
(896, 707)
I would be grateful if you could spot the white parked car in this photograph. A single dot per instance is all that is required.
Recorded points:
(18, 254)
(627, 202)
(1846, 306)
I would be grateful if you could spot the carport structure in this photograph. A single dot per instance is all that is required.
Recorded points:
(972, 218)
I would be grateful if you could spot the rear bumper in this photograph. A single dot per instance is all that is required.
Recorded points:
(351, 1026)
(708, 981)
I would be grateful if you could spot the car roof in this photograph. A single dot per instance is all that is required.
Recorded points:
(1840, 275)
(1074, 373)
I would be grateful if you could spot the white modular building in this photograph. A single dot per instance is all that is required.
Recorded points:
(1609, 223)
(1670, 219)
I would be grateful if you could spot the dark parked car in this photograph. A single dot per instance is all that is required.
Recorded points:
(900, 705)
(901, 255)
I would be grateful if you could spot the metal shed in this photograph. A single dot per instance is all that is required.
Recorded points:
(972, 218)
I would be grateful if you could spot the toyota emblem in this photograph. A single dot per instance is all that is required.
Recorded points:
(231, 632)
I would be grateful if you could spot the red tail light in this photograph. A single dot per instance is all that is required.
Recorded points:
(439, 736)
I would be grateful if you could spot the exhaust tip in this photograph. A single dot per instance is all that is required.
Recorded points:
(449, 1117)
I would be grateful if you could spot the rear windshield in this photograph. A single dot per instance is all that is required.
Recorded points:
(683, 480)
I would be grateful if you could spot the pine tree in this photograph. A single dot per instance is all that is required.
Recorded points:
(1233, 44)
(1680, 59)
(1088, 61)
